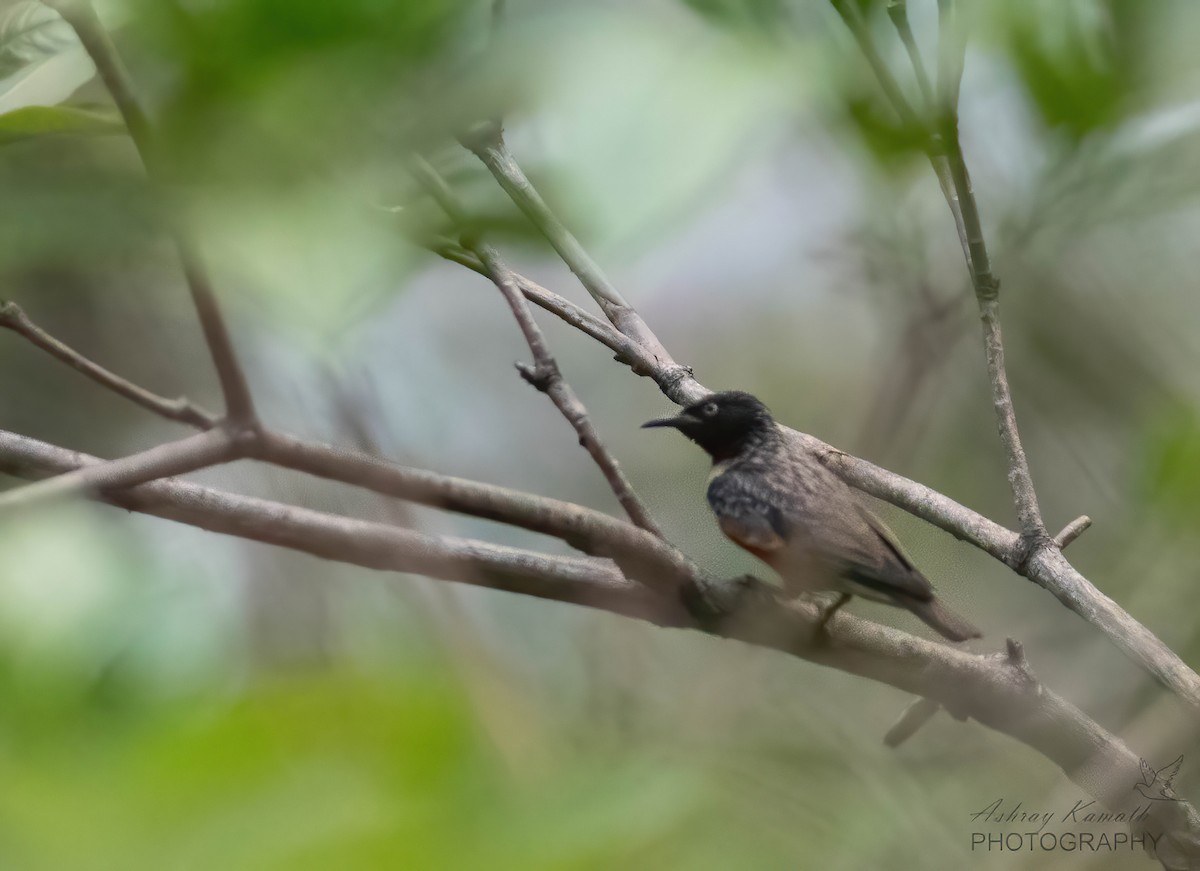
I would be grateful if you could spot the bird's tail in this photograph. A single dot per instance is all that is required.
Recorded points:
(941, 618)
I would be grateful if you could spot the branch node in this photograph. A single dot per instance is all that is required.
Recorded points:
(540, 376)
(987, 288)
(1029, 546)
(711, 604)
(676, 375)
(1014, 654)
(245, 436)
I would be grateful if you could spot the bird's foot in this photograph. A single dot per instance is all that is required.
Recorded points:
(822, 631)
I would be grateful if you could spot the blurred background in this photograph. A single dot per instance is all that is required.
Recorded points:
(170, 699)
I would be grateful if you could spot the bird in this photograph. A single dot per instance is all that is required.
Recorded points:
(773, 497)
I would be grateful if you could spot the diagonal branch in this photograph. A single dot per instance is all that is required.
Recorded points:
(544, 374)
(897, 11)
(946, 156)
(987, 292)
(992, 689)
(239, 406)
(188, 454)
(1044, 564)
(627, 351)
(641, 555)
(488, 145)
(13, 317)
(851, 16)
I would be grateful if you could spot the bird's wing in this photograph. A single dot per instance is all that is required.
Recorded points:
(1149, 775)
(747, 515)
(758, 538)
(875, 559)
(1167, 772)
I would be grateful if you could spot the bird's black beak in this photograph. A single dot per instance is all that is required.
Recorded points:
(679, 421)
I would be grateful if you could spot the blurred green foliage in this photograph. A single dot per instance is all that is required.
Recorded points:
(1078, 61)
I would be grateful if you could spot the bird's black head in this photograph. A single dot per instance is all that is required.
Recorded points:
(723, 423)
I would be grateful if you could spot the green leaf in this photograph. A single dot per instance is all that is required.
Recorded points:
(892, 142)
(1081, 61)
(48, 120)
(765, 16)
(41, 60)
(1171, 467)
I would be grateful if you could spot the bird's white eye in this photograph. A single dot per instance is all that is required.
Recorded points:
(710, 410)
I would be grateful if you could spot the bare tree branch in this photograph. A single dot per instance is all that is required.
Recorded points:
(544, 374)
(987, 291)
(183, 411)
(488, 145)
(641, 555)
(188, 454)
(341, 539)
(997, 690)
(239, 406)
(1043, 564)
(946, 156)
(628, 351)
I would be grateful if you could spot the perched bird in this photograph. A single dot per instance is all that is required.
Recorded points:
(773, 497)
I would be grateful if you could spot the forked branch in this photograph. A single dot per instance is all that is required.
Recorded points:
(544, 374)
(984, 687)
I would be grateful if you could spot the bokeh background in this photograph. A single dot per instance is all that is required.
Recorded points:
(170, 699)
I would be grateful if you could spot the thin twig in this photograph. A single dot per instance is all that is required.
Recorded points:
(239, 406)
(960, 197)
(490, 148)
(544, 374)
(641, 555)
(198, 451)
(951, 55)
(952, 50)
(181, 410)
(627, 350)
(850, 15)
(897, 11)
(987, 292)
(1072, 531)
(916, 715)
(895, 96)
(1020, 482)
(546, 377)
